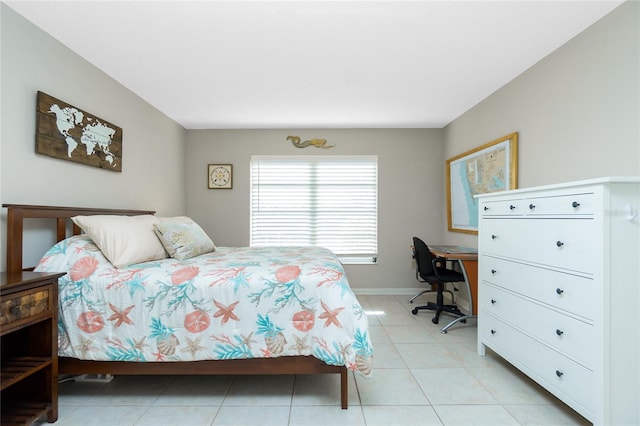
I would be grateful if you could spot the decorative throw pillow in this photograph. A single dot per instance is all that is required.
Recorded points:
(124, 240)
(183, 238)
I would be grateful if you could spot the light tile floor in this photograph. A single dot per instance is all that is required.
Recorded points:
(420, 377)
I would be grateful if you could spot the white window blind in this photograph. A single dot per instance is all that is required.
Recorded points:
(327, 201)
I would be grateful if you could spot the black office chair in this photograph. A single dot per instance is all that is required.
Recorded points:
(430, 286)
(433, 271)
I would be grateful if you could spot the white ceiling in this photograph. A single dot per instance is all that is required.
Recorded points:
(313, 64)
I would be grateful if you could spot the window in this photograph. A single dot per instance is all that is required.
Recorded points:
(328, 201)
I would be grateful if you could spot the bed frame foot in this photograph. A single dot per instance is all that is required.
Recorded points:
(344, 388)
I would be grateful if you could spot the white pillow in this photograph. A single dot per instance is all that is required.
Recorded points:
(124, 240)
(183, 238)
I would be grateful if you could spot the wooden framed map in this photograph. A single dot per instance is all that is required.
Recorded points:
(66, 132)
(492, 167)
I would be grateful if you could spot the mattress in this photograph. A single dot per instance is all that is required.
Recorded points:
(233, 303)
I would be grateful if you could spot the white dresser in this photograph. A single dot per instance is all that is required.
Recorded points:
(558, 292)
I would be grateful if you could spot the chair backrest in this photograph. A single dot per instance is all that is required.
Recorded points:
(423, 258)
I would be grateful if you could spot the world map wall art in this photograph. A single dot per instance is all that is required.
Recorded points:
(69, 133)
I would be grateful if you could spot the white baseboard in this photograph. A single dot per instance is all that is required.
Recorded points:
(386, 291)
(463, 304)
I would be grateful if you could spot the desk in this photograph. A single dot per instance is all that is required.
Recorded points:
(468, 261)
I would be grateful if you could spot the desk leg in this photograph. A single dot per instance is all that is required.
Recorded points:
(471, 279)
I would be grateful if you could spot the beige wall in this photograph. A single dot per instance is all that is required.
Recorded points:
(577, 111)
(410, 190)
(153, 145)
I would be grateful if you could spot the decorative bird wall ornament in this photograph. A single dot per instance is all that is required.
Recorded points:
(318, 143)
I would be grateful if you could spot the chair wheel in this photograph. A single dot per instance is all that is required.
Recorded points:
(464, 321)
(434, 320)
(414, 311)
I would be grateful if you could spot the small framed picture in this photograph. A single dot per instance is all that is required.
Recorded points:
(220, 176)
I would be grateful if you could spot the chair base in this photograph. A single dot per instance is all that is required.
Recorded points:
(449, 309)
(462, 319)
(420, 294)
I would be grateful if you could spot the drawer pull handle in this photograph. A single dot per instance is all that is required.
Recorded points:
(559, 373)
(559, 332)
(559, 290)
(532, 206)
(512, 207)
(486, 208)
(493, 331)
(575, 204)
(559, 243)
(493, 271)
(494, 236)
(493, 301)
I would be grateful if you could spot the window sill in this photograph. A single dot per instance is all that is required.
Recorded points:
(346, 260)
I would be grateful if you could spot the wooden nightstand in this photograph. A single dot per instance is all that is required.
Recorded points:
(29, 333)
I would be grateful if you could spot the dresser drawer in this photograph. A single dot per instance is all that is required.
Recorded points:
(572, 293)
(565, 378)
(563, 243)
(548, 205)
(509, 207)
(19, 307)
(566, 334)
(562, 205)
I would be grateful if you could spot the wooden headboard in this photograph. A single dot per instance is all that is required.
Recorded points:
(16, 213)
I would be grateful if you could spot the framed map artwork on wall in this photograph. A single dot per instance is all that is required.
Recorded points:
(69, 133)
(492, 167)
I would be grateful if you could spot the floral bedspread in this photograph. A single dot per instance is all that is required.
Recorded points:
(233, 303)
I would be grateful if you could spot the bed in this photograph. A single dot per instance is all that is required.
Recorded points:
(233, 311)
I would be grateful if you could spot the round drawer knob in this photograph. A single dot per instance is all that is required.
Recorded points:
(512, 207)
(493, 271)
(494, 236)
(575, 204)
(493, 301)
(486, 208)
(559, 290)
(493, 331)
(559, 332)
(559, 243)
(532, 206)
(559, 373)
